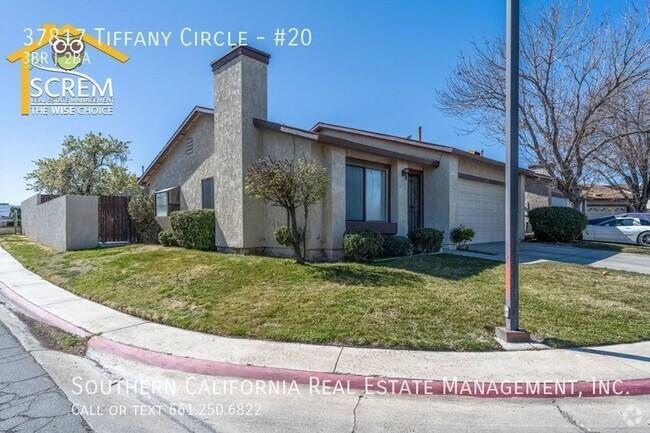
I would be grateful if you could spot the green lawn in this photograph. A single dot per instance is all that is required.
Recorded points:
(436, 302)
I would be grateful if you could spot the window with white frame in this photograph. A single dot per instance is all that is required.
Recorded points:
(167, 201)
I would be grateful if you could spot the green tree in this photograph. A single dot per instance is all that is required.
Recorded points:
(92, 165)
(143, 214)
(291, 185)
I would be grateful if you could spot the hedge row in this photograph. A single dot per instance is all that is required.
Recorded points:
(190, 229)
(557, 224)
(369, 244)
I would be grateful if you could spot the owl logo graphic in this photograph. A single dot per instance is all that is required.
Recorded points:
(67, 50)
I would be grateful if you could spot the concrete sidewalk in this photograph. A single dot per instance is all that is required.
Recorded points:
(530, 252)
(123, 334)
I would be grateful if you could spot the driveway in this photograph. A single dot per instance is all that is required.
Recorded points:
(532, 251)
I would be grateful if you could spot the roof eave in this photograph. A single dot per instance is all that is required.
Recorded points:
(421, 144)
(341, 142)
(161, 155)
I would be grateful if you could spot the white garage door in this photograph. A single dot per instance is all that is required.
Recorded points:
(481, 206)
(598, 211)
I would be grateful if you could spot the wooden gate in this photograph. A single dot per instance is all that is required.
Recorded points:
(114, 222)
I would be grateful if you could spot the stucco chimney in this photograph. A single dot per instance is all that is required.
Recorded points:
(240, 95)
(241, 74)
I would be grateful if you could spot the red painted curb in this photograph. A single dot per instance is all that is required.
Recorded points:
(376, 385)
(342, 383)
(40, 313)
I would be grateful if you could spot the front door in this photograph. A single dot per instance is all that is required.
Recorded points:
(414, 201)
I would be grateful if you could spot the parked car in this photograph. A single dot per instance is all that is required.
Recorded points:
(643, 216)
(620, 229)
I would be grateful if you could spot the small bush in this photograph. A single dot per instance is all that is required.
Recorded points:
(142, 213)
(396, 246)
(426, 240)
(557, 224)
(282, 235)
(462, 235)
(10, 223)
(362, 245)
(167, 238)
(194, 228)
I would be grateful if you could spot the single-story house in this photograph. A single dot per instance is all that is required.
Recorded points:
(597, 200)
(540, 192)
(379, 181)
(602, 200)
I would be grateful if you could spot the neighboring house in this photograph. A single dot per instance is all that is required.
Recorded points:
(603, 200)
(378, 181)
(540, 192)
(598, 200)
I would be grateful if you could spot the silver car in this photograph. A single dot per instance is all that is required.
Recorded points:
(623, 230)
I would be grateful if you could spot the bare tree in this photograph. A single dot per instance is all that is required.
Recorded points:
(572, 70)
(625, 163)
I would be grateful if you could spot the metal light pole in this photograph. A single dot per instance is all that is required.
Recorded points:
(511, 332)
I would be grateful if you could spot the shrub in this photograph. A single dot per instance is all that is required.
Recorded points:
(426, 240)
(362, 245)
(282, 235)
(167, 238)
(557, 224)
(142, 213)
(10, 223)
(396, 246)
(194, 228)
(290, 184)
(462, 235)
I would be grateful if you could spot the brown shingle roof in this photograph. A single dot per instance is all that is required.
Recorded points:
(603, 192)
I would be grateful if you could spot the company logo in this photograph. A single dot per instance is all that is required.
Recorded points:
(62, 64)
(67, 50)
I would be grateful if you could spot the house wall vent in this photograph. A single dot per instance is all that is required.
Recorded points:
(189, 146)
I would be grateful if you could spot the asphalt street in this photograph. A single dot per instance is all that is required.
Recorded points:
(30, 401)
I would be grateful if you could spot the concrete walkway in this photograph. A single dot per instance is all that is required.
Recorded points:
(184, 350)
(530, 252)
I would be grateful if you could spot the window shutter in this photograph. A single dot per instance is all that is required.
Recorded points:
(207, 193)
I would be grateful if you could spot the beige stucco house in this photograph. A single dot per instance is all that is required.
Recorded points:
(387, 183)
(603, 200)
(597, 200)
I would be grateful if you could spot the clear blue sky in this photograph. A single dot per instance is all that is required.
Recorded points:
(372, 64)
